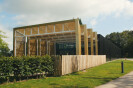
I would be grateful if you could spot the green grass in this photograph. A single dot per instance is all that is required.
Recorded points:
(84, 79)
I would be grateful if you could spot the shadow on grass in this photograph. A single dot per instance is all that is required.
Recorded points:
(74, 87)
(14, 79)
(55, 85)
(99, 78)
(120, 62)
(75, 73)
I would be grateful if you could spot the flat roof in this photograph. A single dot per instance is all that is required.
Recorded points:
(48, 23)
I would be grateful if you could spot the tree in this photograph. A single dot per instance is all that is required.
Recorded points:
(4, 49)
(124, 40)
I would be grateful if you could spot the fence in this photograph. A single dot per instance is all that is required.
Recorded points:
(73, 63)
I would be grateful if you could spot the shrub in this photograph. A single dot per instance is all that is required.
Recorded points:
(25, 66)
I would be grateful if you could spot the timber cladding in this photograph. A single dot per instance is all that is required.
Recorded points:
(46, 28)
(41, 39)
(73, 63)
(43, 48)
(33, 47)
(20, 46)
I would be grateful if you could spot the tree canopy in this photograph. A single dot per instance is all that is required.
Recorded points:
(124, 40)
(4, 49)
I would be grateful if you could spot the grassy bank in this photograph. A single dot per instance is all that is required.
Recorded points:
(84, 79)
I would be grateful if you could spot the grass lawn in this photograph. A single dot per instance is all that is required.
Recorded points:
(84, 79)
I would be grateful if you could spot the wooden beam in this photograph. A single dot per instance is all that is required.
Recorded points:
(52, 33)
(96, 43)
(40, 47)
(37, 47)
(85, 40)
(20, 33)
(54, 48)
(47, 43)
(25, 46)
(49, 48)
(38, 30)
(28, 46)
(14, 42)
(78, 37)
(91, 40)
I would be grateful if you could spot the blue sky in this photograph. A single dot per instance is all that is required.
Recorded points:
(103, 16)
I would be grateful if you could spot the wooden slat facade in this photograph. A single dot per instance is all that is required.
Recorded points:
(73, 63)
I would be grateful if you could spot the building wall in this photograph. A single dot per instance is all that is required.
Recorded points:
(106, 47)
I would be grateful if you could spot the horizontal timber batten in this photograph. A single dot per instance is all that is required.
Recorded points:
(54, 33)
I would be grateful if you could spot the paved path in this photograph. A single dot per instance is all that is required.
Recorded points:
(125, 81)
(130, 59)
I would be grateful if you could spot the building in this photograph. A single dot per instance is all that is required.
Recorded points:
(47, 38)
(106, 47)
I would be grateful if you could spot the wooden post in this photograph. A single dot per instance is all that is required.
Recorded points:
(91, 41)
(78, 37)
(29, 46)
(40, 46)
(49, 47)
(55, 48)
(37, 47)
(14, 42)
(25, 45)
(85, 40)
(96, 43)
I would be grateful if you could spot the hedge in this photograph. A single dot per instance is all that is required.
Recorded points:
(25, 66)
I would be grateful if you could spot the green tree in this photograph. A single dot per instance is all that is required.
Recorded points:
(124, 40)
(4, 49)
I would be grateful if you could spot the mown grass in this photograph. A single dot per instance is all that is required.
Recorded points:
(84, 79)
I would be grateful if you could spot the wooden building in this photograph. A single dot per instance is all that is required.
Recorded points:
(41, 39)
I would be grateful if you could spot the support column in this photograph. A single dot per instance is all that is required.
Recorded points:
(40, 47)
(78, 37)
(49, 47)
(29, 46)
(85, 40)
(37, 46)
(25, 45)
(14, 42)
(54, 48)
(96, 43)
(91, 41)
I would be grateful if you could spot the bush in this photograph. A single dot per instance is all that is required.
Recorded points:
(25, 66)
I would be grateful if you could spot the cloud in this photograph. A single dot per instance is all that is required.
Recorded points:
(40, 11)
(26, 12)
(93, 22)
(9, 35)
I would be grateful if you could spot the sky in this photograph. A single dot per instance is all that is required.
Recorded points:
(103, 16)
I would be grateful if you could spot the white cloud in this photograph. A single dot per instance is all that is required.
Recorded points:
(93, 22)
(40, 11)
(9, 35)
(27, 12)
